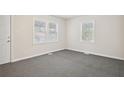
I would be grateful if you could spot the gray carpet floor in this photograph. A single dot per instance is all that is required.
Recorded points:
(64, 63)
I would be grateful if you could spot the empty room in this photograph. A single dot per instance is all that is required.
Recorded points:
(62, 46)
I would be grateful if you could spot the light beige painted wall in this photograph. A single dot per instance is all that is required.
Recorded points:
(22, 45)
(109, 38)
(109, 35)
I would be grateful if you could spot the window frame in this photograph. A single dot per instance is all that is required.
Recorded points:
(46, 22)
(34, 33)
(56, 31)
(93, 33)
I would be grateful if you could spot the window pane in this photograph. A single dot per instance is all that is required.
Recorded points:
(39, 32)
(52, 32)
(87, 31)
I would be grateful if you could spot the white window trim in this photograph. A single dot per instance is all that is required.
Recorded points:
(90, 41)
(56, 31)
(47, 22)
(33, 34)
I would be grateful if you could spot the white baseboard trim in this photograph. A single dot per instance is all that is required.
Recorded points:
(19, 59)
(86, 52)
(98, 54)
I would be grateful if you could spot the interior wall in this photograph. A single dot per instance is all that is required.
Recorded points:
(22, 37)
(109, 35)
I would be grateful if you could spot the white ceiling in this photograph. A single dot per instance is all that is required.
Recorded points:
(66, 16)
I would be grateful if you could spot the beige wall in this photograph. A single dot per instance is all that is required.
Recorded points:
(22, 45)
(109, 35)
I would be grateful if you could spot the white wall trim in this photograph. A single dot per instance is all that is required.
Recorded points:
(86, 52)
(19, 59)
(98, 54)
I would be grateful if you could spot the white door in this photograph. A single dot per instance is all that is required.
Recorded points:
(4, 39)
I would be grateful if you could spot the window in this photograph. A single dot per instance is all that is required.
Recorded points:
(87, 31)
(52, 32)
(39, 32)
(44, 32)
